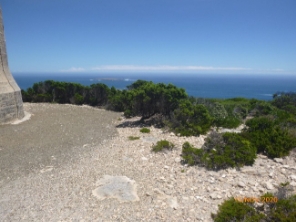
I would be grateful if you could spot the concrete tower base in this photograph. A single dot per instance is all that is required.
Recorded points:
(11, 107)
(11, 103)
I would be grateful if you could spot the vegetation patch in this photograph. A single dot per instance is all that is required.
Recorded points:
(220, 151)
(272, 130)
(228, 113)
(133, 137)
(268, 137)
(285, 101)
(190, 120)
(161, 145)
(283, 209)
(233, 210)
(145, 130)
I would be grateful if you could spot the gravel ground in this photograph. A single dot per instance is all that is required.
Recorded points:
(58, 183)
(55, 135)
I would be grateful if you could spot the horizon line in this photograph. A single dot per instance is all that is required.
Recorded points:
(166, 69)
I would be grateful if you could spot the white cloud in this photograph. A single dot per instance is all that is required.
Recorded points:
(74, 69)
(175, 69)
(164, 68)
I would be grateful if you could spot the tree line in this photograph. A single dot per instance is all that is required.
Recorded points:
(272, 129)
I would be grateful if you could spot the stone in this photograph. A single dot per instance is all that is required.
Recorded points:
(173, 202)
(46, 169)
(199, 197)
(278, 160)
(177, 159)
(262, 156)
(261, 189)
(231, 170)
(119, 187)
(258, 205)
(11, 103)
(241, 184)
(213, 196)
(268, 185)
(292, 177)
(162, 179)
(250, 171)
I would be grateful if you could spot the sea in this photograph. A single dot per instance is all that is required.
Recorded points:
(220, 86)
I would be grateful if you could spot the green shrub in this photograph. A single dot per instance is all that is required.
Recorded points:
(284, 210)
(191, 156)
(228, 113)
(259, 108)
(269, 138)
(78, 99)
(190, 120)
(145, 130)
(133, 137)
(229, 122)
(128, 113)
(232, 210)
(285, 101)
(162, 144)
(220, 151)
(42, 98)
(147, 98)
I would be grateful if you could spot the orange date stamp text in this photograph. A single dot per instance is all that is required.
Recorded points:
(262, 199)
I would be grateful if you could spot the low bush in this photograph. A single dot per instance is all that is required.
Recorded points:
(259, 108)
(228, 113)
(127, 113)
(145, 130)
(221, 151)
(283, 210)
(269, 138)
(191, 156)
(285, 101)
(162, 144)
(78, 99)
(133, 137)
(190, 120)
(229, 122)
(232, 210)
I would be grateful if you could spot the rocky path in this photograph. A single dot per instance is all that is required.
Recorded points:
(164, 189)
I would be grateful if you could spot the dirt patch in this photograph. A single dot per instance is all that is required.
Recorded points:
(55, 135)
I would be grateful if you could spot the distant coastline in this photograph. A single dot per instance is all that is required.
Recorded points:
(207, 86)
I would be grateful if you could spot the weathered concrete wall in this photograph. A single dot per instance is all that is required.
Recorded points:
(11, 104)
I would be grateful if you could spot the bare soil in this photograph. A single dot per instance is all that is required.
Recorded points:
(54, 136)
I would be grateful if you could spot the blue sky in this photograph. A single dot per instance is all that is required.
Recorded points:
(174, 36)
